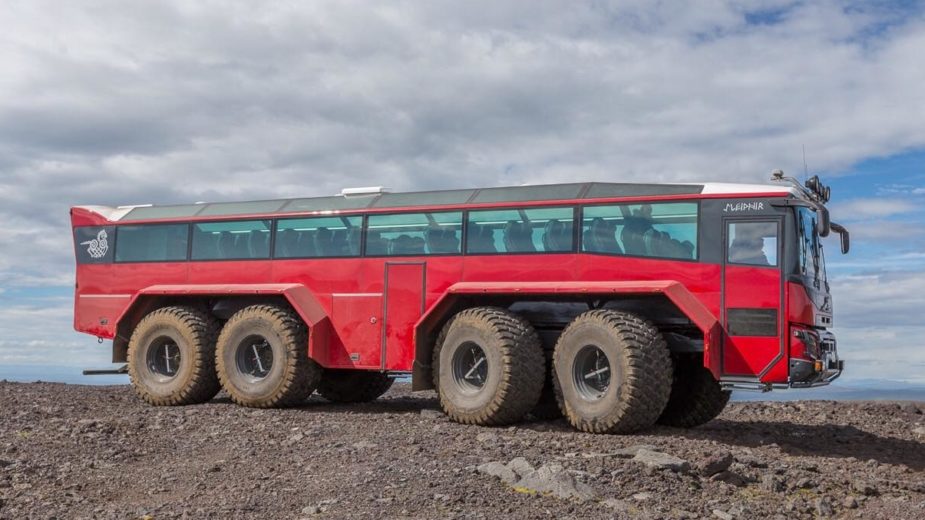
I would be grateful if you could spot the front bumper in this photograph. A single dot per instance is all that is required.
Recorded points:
(820, 364)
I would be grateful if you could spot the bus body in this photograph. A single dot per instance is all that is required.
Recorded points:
(730, 275)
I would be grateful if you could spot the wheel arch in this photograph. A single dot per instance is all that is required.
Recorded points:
(469, 294)
(222, 301)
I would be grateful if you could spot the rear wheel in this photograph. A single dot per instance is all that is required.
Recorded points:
(696, 397)
(488, 367)
(262, 359)
(353, 386)
(613, 372)
(171, 357)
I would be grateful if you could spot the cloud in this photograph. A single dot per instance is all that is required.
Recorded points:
(861, 209)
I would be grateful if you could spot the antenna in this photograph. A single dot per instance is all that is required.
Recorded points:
(805, 169)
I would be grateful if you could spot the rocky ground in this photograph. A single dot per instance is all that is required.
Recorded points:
(73, 452)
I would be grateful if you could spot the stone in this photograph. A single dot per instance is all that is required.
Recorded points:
(641, 497)
(729, 477)
(616, 504)
(772, 484)
(553, 479)
(722, 515)
(487, 437)
(659, 460)
(500, 470)
(716, 463)
(850, 502)
(429, 413)
(864, 487)
(311, 510)
(823, 507)
(920, 431)
(364, 445)
(623, 453)
(521, 467)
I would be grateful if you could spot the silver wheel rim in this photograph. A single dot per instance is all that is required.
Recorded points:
(254, 357)
(164, 357)
(591, 373)
(470, 367)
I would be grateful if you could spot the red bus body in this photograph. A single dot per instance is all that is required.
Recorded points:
(382, 312)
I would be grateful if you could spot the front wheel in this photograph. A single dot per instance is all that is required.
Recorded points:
(613, 372)
(262, 358)
(488, 367)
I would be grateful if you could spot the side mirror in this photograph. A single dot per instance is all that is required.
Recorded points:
(844, 236)
(823, 224)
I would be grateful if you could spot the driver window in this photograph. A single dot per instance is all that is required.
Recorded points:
(752, 243)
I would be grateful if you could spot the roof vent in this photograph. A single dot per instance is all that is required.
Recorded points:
(369, 190)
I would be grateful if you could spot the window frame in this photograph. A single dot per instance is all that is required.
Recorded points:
(360, 249)
(753, 220)
(189, 241)
(265, 258)
(462, 231)
(575, 231)
(699, 222)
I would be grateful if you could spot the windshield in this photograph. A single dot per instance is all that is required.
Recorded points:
(812, 259)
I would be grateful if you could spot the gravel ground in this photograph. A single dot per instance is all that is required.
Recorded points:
(69, 451)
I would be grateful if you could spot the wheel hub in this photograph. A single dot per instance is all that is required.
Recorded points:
(164, 357)
(254, 357)
(470, 367)
(591, 373)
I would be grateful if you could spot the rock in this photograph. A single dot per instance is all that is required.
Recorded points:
(555, 480)
(910, 408)
(616, 504)
(772, 484)
(716, 463)
(364, 445)
(920, 431)
(311, 510)
(642, 497)
(850, 502)
(823, 507)
(804, 483)
(5, 463)
(551, 479)
(520, 466)
(487, 437)
(500, 470)
(623, 453)
(864, 487)
(722, 515)
(659, 460)
(429, 413)
(729, 477)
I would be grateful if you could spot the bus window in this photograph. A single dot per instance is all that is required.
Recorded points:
(752, 243)
(152, 243)
(542, 230)
(318, 237)
(662, 230)
(238, 240)
(412, 234)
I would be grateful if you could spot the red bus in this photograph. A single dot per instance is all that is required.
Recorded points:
(617, 305)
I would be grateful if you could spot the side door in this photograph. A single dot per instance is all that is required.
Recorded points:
(752, 296)
(403, 306)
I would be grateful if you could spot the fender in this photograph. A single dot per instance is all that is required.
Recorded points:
(675, 291)
(301, 299)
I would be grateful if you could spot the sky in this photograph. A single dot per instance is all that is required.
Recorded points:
(111, 102)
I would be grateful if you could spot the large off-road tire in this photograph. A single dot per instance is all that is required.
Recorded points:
(171, 357)
(262, 358)
(353, 386)
(613, 372)
(696, 397)
(488, 367)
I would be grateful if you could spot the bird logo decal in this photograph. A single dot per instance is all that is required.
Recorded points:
(98, 246)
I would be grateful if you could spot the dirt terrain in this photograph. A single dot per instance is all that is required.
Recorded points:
(71, 452)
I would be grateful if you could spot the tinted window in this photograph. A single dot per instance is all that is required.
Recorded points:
(525, 193)
(152, 243)
(414, 234)
(231, 240)
(752, 243)
(318, 237)
(663, 230)
(520, 231)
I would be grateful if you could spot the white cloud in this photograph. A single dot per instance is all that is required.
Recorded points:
(862, 209)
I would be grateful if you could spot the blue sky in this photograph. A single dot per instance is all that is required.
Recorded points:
(172, 102)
